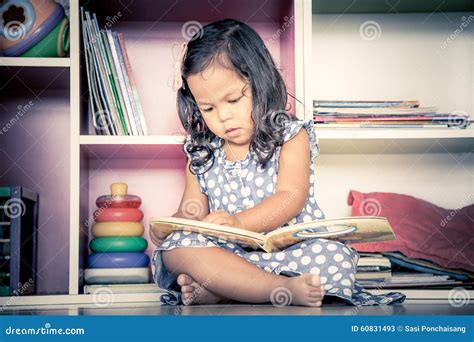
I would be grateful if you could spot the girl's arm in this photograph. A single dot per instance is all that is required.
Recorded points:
(194, 204)
(291, 189)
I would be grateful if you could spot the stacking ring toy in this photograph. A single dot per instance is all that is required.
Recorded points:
(118, 260)
(118, 214)
(103, 229)
(118, 244)
(116, 275)
(125, 201)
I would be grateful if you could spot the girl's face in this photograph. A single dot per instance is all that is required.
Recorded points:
(225, 102)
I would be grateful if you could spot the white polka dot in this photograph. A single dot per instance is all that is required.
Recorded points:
(186, 242)
(268, 269)
(260, 193)
(254, 257)
(315, 270)
(201, 238)
(305, 260)
(346, 282)
(217, 192)
(334, 290)
(297, 252)
(337, 277)
(249, 176)
(220, 179)
(303, 245)
(233, 198)
(165, 244)
(274, 264)
(232, 207)
(320, 259)
(280, 256)
(230, 245)
(186, 232)
(311, 178)
(311, 192)
(316, 248)
(338, 257)
(245, 191)
(293, 265)
(347, 292)
(211, 183)
(266, 256)
(318, 213)
(270, 187)
(217, 203)
(332, 269)
(234, 185)
(210, 244)
(331, 247)
(244, 173)
(227, 187)
(225, 200)
(271, 171)
(324, 280)
(346, 250)
(176, 236)
(351, 275)
(259, 181)
(327, 286)
(307, 218)
(346, 264)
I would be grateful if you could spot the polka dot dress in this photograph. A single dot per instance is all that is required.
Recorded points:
(238, 185)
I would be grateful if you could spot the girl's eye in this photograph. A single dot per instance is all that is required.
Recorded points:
(234, 101)
(207, 109)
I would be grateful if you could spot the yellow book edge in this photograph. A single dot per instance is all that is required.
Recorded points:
(354, 229)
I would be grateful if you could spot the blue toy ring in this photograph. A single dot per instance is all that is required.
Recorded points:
(16, 30)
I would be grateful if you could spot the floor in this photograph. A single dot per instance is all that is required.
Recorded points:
(203, 310)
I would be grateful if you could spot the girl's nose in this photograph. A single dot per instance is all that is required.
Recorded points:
(225, 115)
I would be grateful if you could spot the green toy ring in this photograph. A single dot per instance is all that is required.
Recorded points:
(118, 244)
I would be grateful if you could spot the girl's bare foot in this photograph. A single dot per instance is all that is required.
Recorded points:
(195, 293)
(305, 289)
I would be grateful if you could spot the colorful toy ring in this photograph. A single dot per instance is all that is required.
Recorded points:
(118, 260)
(103, 229)
(118, 214)
(118, 244)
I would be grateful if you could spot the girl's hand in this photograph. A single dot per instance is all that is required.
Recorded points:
(224, 218)
(156, 237)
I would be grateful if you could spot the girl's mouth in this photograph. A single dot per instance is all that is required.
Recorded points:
(232, 132)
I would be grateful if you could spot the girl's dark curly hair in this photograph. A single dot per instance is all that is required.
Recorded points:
(235, 45)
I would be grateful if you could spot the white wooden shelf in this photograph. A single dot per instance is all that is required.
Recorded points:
(35, 62)
(131, 140)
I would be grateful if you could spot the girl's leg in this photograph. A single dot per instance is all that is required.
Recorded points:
(230, 276)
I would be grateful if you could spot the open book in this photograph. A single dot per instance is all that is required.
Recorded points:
(349, 229)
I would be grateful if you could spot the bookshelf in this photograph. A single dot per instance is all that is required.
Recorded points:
(84, 164)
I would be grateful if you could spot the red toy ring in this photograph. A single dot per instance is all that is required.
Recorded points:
(118, 201)
(118, 214)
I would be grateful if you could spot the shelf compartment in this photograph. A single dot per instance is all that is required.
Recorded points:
(132, 147)
(35, 62)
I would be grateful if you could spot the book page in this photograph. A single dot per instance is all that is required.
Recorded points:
(350, 229)
(243, 237)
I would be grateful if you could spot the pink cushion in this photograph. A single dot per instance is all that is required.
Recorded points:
(423, 230)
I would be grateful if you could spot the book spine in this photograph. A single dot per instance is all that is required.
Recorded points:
(132, 83)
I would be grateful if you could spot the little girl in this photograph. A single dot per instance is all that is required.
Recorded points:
(250, 165)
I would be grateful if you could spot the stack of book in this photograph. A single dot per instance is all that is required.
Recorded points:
(384, 114)
(373, 267)
(114, 105)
